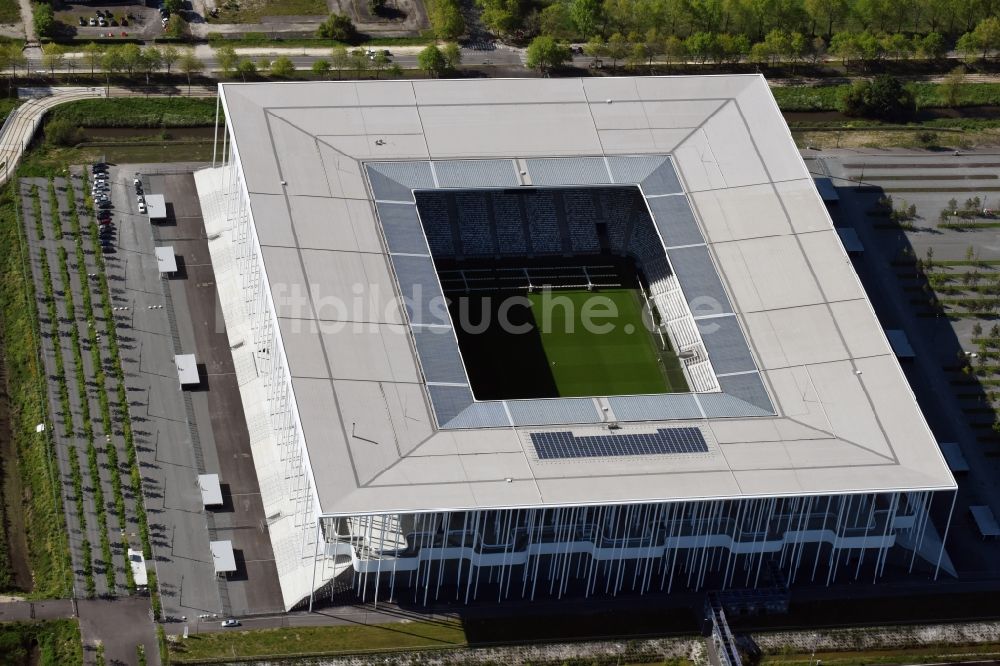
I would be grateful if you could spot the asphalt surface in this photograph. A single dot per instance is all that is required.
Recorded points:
(254, 587)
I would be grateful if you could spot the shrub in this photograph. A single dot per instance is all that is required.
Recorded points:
(883, 98)
(340, 28)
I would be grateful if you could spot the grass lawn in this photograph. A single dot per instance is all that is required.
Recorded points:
(934, 654)
(48, 550)
(10, 11)
(622, 360)
(319, 640)
(139, 112)
(251, 11)
(551, 352)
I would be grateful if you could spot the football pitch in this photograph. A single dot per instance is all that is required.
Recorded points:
(563, 343)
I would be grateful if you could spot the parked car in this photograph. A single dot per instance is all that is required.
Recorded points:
(92, 22)
(231, 622)
(83, 21)
(142, 206)
(105, 204)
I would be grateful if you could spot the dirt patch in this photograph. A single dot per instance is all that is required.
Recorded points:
(401, 18)
(10, 476)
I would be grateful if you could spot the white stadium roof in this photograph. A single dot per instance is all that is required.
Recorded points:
(822, 406)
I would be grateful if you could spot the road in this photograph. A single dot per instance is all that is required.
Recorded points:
(21, 124)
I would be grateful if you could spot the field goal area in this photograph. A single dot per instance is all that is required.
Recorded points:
(555, 352)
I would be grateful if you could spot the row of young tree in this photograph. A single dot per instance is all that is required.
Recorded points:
(861, 49)
(579, 20)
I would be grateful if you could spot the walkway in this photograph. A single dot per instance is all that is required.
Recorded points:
(20, 126)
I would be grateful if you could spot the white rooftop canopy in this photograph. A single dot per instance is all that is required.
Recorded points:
(826, 189)
(900, 343)
(222, 556)
(849, 237)
(187, 369)
(211, 491)
(166, 260)
(956, 459)
(985, 521)
(156, 206)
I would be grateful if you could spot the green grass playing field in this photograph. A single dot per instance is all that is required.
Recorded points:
(561, 356)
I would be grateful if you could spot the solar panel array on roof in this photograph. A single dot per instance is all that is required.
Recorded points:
(564, 444)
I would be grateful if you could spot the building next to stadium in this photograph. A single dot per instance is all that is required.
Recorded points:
(796, 445)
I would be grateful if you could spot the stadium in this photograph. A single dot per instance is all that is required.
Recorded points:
(505, 339)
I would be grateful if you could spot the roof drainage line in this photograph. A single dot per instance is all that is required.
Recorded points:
(660, 196)
(684, 247)
(819, 286)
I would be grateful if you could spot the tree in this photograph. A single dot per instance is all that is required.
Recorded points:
(987, 34)
(169, 55)
(556, 20)
(432, 61)
(44, 19)
(282, 67)
(189, 65)
(338, 27)
(53, 58)
(446, 19)
(62, 132)
(379, 63)
(359, 60)
(884, 97)
(246, 68)
(152, 60)
(546, 54)
(452, 55)
(826, 13)
(674, 49)
(228, 61)
(131, 56)
(932, 46)
(502, 16)
(587, 16)
(16, 58)
(93, 54)
(617, 48)
(112, 61)
(340, 60)
(321, 67)
(701, 45)
(951, 87)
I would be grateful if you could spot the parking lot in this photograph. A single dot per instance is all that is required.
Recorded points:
(132, 20)
(184, 433)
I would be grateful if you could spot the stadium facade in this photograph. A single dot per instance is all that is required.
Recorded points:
(799, 447)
